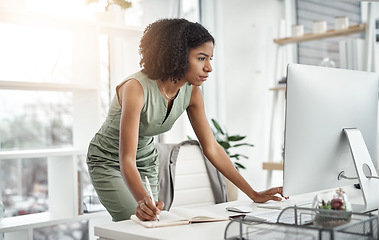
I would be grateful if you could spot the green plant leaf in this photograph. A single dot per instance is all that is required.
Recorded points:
(243, 144)
(235, 138)
(224, 140)
(237, 156)
(224, 144)
(238, 166)
(217, 126)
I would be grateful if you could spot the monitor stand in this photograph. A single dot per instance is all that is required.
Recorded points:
(367, 175)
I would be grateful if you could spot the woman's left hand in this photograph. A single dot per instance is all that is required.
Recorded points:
(270, 194)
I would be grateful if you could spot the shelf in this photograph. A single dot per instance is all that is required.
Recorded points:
(272, 166)
(38, 220)
(330, 33)
(278, 88)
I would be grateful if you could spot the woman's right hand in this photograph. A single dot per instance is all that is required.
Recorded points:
(270, 194)
(147, 211)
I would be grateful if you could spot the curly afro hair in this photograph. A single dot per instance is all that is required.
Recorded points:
(165, 45)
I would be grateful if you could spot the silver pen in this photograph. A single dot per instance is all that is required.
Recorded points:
(150, 192)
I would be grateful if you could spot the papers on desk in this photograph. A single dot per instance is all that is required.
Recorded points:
(263, 216)
(271, 216)
(293, 201)
(180, 216)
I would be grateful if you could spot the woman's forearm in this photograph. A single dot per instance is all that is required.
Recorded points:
(132, 179)
(222, 162)
(224, 165)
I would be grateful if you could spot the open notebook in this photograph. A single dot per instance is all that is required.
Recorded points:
(180, 216)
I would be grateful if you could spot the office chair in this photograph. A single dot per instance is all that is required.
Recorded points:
(187, 178)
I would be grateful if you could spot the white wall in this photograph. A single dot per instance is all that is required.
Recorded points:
(249, 59)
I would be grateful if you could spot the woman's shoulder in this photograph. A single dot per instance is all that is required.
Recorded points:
(142, 78)
(139, 76)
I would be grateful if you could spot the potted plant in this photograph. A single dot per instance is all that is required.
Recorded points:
(332, 210)
(122, 3)
(229, 142)
(226, 141)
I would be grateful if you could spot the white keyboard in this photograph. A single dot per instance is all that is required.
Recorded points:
(291, 202)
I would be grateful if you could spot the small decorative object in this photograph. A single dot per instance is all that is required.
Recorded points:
(319, 27)
(334, 209)
(297, 30)
(341, 23)
(327, 62)
(2, 210)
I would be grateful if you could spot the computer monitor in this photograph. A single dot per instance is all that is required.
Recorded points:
(328, 110)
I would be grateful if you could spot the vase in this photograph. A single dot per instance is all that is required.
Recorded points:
(118, 14)
(331, 218)
(105, 17)
(332, 209)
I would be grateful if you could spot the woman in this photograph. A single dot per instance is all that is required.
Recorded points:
(175, 61)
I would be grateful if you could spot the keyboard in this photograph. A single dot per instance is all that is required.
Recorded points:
(291, 202)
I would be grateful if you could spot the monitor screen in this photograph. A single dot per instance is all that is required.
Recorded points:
(320, 103)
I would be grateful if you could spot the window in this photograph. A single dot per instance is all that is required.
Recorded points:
(35, 119)
(53, 76)
(34, 54)
(25, 187)
(75, 230)
(58, 70)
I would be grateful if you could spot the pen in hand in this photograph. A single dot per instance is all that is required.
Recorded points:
(150, 192)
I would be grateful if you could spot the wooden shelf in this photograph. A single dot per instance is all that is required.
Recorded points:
(270, 166)
(278, 88)
(273, 166)
(328, 34)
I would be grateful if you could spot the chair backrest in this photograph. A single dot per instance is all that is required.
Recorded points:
(192, 185)
(187, 178)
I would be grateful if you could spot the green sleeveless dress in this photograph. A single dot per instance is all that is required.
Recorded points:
(103, 151)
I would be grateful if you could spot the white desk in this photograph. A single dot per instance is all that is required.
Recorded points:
(199, 231)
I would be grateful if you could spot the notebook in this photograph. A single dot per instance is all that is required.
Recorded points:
(180, 216)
